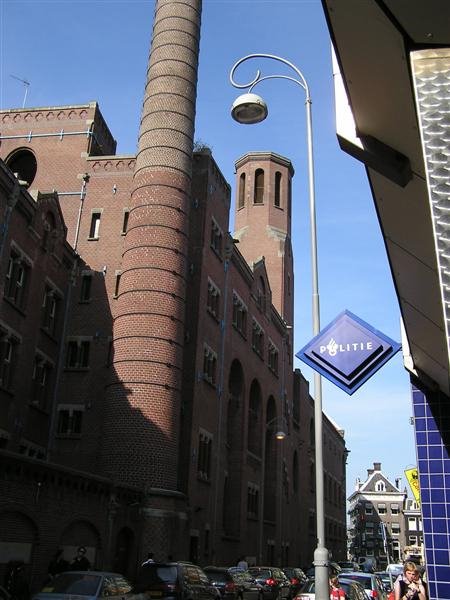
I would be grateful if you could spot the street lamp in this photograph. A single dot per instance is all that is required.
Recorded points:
(250, 108)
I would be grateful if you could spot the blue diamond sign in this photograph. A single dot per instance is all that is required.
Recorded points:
(348, 351)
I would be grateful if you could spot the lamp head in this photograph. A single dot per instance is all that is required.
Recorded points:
(248, 109)
(280, 435)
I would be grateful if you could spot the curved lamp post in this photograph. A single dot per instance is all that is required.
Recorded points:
(250, 108)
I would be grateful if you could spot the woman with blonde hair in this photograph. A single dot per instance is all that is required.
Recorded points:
(409, 586)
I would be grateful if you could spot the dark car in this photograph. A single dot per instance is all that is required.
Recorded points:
(234, 583)
(373, 586)
(274, 583)
(174, 581)
(89, 585)
(296, 577)
(353, 590)
(348, 565)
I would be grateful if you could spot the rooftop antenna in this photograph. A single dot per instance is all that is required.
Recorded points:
(26, 84)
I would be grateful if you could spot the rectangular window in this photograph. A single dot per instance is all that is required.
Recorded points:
(273, 357)
(412, 540)
(86, 287)
(252, 501)
(126, 215)
(412, 523)
(204, 455)
(394, 509)
(209, 365)
(117, 284)
(258, 338)
(239, 315)
(41, 382)
(216, 238)
(69, 421)
(8, 358)
(381, 509)
(213, 299)
(50, 309)
(16, 279)
(94, 229)
(395, 528)
(77, 354)
(368, 509)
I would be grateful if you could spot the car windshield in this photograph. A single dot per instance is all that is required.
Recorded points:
(154, 575)
(309, 587)
(74, 583)
(366, 582)
(217, 575)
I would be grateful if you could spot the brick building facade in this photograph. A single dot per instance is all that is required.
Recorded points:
(146, 354)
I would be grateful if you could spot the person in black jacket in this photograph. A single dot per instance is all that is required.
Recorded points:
(80, 562)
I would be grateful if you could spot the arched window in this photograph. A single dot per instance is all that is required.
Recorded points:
(258, 195)
(262, 295)
(241, 198)
(380, 486)
(254, 419)
(277, 196)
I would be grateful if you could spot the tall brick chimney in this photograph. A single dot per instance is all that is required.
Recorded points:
(142, 417)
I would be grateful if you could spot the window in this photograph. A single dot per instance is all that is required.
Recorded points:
(273, 357)
(40, 390)
(241, 198)
(258, 195)
(23, 164)
(86, 286)
(50, 309)
(126, 215)
(261, 295)
(95, 225)
(412, 540)
(412, 523)
(213, 299)
(117, 284)
(239, 315)
(258, 338)
(70, 420)
(277, 195)
(382, 509)
(77, 354)
(16, 279)
(380, 486)
(8, 359)
(209, 365)
(204, 455)
(216, 237)
(369, 509)
(32, 450)
(252, 500)
(395, 528)
(394, 509)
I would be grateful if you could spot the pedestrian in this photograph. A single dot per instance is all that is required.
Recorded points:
(58, 564)
(80, 561)
(242, 563)
(336, 592)
(149, 559)
(410, 586)
(17, 584)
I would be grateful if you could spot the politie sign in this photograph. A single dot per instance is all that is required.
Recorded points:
(348, 351)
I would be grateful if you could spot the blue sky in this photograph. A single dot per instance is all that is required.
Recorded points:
(77, 51)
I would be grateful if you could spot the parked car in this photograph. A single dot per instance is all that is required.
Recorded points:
(88, 584)
(348, 565)
(395, 568)
(353, 590)
(274, 583)
(173, 581)
(373, 586)
(296, 577)
(234, 583)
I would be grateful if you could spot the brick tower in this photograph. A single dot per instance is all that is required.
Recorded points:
(263, 221)
(143, 401)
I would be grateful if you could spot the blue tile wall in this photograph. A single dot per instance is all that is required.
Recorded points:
(432, 431)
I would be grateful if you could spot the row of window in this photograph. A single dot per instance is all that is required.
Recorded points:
(259, 188)
(381, 508)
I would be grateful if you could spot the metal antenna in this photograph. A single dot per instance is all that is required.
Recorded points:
(26, 84)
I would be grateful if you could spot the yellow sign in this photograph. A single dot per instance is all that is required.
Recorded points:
(413, 479)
